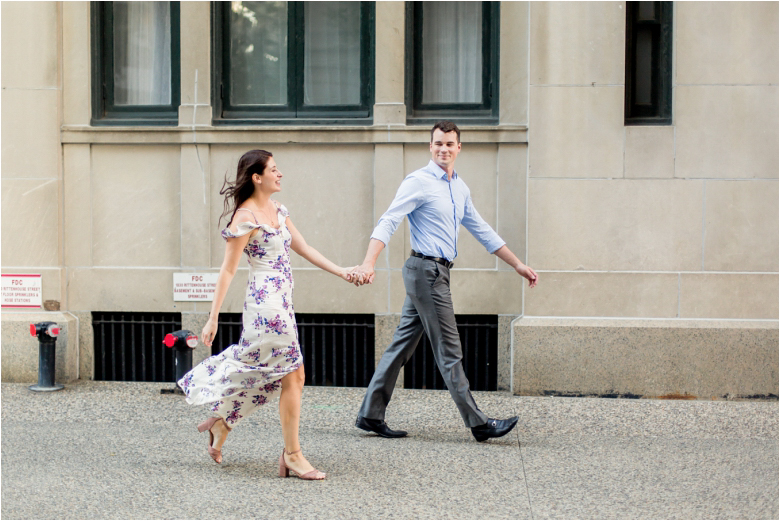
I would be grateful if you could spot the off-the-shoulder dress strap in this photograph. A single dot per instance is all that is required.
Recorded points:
(250, 211)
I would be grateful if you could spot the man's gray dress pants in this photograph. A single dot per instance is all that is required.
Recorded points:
(428, 307)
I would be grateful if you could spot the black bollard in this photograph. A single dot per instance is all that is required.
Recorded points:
(47, 333)
(183, 342)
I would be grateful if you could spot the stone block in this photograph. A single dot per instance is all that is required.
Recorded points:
(513, 66)
(588, 294)
(317, 291)
(77, 181)
(727, 132)
(77, 60)
(20, 350)
(729, 295)
(86, 336)
(30, 222)
(195, 205)
(645, 358)
(577, 43)
(30, 134)
(615, 224)
(726, 42)
(511, 194)
(483, 292)
(389, 114)
(578, 132)
(145, 229)
(30, 38)
(195, 116)
(195, 20)
(390, 65)
(124, 289)
(741, 227)
(649, 152)
(331, 204)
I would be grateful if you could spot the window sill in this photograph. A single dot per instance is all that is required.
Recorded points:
(208, 134)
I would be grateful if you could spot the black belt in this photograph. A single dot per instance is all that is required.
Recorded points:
(443, 262)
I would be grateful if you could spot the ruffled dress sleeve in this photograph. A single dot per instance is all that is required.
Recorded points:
(241, 229)
(282, 209)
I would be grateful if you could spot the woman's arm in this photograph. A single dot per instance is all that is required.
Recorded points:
(300, 247)
(234, 248)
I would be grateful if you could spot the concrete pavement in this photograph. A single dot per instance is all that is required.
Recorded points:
(121, 450)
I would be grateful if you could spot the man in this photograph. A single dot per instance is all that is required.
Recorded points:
(436, 201)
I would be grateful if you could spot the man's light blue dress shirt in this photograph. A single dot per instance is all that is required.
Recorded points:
(436, 208)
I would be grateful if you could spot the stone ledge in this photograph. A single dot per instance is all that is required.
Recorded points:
(224, 134)
(673, 359)
(20, 349)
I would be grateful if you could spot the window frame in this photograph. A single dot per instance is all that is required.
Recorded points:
(464, 113)
(660, 110)
(104, 111)
(294, 112)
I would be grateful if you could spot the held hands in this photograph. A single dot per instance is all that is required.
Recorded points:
(351, 275)
(365, 272)
(358, 275)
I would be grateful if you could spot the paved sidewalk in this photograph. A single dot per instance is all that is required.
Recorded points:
(119, 450)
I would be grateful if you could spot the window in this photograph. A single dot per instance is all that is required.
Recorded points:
(452, 61)
(648, 63)
(135, 63)
(293, 62)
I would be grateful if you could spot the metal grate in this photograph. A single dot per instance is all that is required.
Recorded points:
(128, 346)
(228, 332)
(337, 350)
(479, 340)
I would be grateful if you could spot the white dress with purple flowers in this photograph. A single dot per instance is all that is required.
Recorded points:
(246, 375)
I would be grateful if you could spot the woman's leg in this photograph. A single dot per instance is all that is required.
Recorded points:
(290, 415)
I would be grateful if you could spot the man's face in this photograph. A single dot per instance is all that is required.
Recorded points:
(444, 148)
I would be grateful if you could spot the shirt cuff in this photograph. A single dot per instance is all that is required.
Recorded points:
(495, 245)
(381, 235)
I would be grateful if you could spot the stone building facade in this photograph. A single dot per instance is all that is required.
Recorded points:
(656, 245)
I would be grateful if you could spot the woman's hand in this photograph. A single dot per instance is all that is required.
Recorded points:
(209, 332)
(349, 275)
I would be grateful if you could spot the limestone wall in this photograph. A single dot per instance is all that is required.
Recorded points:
(672, 222)
(675, 221)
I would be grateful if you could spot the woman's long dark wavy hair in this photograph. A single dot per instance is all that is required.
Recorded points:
(253, 162)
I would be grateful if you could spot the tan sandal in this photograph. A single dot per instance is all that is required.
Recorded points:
(284, 470)
(215, 454)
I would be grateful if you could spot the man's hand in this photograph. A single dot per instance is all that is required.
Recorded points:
(528, 273)
(365, 272)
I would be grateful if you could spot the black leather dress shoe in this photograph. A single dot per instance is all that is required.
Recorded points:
(494, 428)
(379, 427)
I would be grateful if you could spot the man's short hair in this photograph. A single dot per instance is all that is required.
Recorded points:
(446, 126)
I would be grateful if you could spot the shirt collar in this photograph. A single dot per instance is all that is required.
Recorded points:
(438, 171)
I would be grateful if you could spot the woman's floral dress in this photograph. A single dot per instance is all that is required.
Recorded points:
(246, 375)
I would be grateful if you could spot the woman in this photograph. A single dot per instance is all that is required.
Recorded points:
(267, 358)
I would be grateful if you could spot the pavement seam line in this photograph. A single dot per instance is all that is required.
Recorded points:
(525, 477)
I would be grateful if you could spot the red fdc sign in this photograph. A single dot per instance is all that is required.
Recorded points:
(21, 290)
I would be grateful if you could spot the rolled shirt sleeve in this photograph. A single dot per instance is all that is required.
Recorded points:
(408, 197)
(481, 230)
